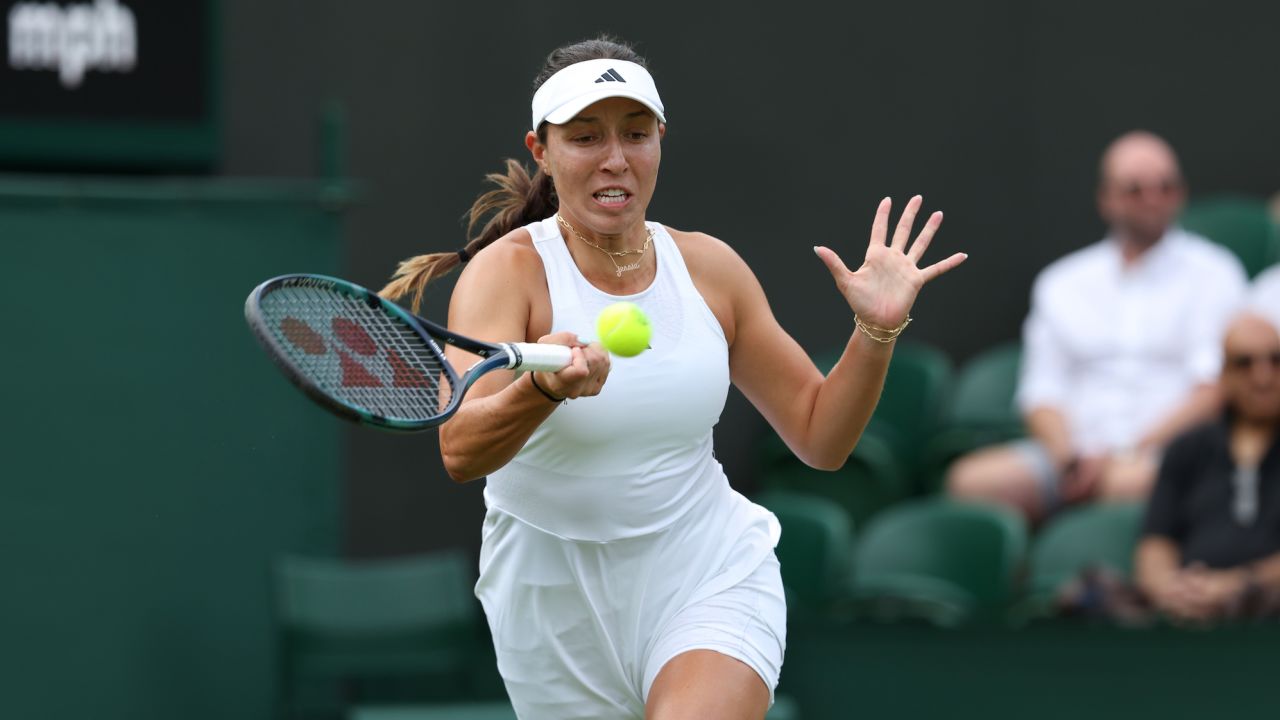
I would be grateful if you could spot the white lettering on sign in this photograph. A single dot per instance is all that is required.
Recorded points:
(72, 40)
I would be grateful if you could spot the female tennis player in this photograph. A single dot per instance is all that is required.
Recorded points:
(621, 575)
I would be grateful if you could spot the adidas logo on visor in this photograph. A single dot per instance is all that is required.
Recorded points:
(563, 95)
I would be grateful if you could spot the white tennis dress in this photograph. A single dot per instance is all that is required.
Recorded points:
(613, 541)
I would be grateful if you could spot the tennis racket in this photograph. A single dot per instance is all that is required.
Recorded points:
(369, 360)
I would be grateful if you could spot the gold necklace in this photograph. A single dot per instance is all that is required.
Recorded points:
(613, 254)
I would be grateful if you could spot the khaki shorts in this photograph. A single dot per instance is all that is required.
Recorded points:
(1038, 460)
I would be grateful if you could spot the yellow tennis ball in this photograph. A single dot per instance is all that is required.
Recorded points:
(623, 329)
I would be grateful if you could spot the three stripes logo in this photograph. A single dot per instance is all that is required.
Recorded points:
(610, 75)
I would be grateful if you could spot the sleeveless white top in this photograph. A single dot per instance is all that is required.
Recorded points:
(632, 459)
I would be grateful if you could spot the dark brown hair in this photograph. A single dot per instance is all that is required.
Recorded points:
(518, 199)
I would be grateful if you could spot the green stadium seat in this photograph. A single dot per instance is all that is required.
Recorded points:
(1089, 536)
(342, 623)
(815, 549)
(784, 708)
(1239, 223)
(870, 480)
(916, 389)
(935, 560)
(980, 411)
(985, 388)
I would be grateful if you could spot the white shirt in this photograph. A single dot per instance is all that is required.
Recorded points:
(1264, 296)
(1117, 348)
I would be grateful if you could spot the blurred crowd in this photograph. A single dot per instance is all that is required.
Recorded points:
(1151, 373)
(1147, 377)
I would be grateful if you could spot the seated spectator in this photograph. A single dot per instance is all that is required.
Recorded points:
(1210, 546)
(1265, 294)
(1120, 350)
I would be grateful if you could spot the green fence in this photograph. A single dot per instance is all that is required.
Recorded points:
(154, 462)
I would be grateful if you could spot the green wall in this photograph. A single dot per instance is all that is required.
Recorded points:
(154, 461)
(1063, 670)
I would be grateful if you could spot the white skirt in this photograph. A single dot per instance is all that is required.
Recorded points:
(581, 629)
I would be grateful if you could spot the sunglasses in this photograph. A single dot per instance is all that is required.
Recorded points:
(1245, 363)
(1164, 188)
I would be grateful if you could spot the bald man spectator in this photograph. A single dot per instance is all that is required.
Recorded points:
(1211, 539)
(1120, 351)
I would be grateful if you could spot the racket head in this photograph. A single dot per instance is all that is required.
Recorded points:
(360, 356)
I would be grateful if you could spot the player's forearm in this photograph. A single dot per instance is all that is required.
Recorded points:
(487, 432)
(1049, 426)
(844, 402)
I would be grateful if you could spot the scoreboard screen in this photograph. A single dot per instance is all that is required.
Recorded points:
(111, 84)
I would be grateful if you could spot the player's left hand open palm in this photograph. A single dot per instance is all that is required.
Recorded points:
(884, 288)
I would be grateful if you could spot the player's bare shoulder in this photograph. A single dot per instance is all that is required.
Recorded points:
(511, 253)
(707, 257)
(508, 262)
(505, 285)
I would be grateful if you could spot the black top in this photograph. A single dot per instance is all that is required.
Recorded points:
(1192, 500)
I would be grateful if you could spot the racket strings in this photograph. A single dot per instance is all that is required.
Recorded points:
(359, 354)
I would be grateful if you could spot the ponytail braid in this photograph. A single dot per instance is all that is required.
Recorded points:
(517, 201)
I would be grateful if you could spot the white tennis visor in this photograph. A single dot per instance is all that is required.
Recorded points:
(566, 93)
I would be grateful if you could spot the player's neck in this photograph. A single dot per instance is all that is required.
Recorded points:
(622, 268)
(574, 230)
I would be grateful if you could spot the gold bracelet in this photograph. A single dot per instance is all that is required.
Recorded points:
(879, 334)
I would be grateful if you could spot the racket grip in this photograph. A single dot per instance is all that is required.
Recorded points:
(538, 356)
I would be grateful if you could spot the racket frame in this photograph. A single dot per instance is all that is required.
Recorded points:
(493, 356)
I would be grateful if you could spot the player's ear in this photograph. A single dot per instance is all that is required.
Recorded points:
(536, 148)
(662, 130)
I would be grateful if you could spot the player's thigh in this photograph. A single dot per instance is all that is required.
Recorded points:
(720, 657)
(707, 685)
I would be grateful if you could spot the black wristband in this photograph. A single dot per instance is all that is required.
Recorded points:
(545, 394)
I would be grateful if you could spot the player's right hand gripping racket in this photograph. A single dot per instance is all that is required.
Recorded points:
(369, 360)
